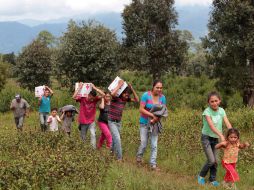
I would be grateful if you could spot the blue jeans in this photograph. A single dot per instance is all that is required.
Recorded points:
(83, 131)
(144, 135)
(115, 128)
(43, 120)
(208, 144)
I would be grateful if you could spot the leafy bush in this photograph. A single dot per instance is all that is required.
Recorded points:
(3, 74)
(8, 93)
(43, 161)
(61, 97)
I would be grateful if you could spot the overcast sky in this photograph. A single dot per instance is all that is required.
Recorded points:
(54, 9)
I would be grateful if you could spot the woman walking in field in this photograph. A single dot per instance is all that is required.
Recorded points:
(148, 100)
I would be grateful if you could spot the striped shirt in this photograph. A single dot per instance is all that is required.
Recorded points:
(116, 109)
(147, 101)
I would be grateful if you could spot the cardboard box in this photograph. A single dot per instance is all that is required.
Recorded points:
(39, 91)
(114, 84)
(85, 90)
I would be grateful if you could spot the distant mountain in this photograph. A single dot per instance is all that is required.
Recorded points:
(15, 35)
(194, 19)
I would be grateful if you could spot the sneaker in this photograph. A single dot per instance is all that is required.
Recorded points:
(155, 168)
(215, 183)
(201, 180)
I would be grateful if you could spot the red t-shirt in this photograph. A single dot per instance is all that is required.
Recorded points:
(87, 110)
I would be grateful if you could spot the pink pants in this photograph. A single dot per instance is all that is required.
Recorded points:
(231, 173)
(105, 134)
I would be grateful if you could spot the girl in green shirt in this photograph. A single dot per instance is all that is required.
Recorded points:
(213, 117)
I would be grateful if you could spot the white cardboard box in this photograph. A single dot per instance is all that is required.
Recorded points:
(114, 84)
(39, 91)
(85, 90)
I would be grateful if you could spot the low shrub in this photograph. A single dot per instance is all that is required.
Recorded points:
(43, 161)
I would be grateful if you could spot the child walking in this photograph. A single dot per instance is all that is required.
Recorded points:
(67, 118)
(88, 111)
(44, 107)
(53, 120)
(213, 117)
(231, 148)
(103, 122)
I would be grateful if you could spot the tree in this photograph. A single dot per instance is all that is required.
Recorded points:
(151, 42)
(3, 74)
(9, 58)
(34, 65)
(196, 63)
(230, 43)
(88, 53)
(46, 37)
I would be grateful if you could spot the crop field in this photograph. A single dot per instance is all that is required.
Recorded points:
(35, 160)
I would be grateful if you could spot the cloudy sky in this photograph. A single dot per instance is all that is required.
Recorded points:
(54, 9)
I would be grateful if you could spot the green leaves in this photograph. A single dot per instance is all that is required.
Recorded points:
(88, 52)
(230, 43)
(43, 161)
(34, 65)
(3, 74)
(151, 43)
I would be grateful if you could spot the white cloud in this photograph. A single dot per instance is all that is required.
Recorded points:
(53, 9)
(193, 2)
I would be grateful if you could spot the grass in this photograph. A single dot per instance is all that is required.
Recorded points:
(180, 156)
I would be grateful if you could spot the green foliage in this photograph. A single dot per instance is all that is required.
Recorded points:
(9, 58)
(230, 43)
(3, 74)
(32, 160)
(151, 43)
(34, 65)
(180, 151)
(196, 63)
(180, 92)
(47, 38)
(61, 96)
(8, 94)
(88, 53)
(44, 161)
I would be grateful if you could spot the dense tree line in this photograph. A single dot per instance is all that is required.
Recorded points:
(88, 51)
(230, 43)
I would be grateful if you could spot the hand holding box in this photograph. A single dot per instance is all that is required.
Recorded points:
(85, 89)
(114, 84)
(39, 91)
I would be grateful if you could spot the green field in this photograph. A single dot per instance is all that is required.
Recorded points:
(34, 160)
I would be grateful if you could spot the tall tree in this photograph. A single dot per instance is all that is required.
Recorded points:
(33, 66)
(231, 45)
(3, 73)
(87, 53)
(151, 42)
